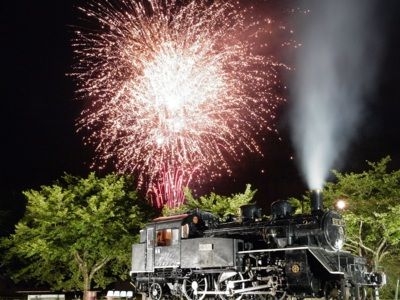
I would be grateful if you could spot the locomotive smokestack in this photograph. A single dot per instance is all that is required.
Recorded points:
(316, 201)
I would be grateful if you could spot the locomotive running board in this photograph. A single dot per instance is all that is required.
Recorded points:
(311, 250)
(273, 250)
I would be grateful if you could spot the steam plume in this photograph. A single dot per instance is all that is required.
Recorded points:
(336, 68)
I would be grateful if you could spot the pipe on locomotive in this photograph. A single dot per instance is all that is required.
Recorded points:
(316, 201)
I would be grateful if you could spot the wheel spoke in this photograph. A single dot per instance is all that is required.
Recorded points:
(226, 283)
(155, 291)
(194, 288)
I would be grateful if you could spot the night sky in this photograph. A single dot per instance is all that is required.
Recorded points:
(39, 142)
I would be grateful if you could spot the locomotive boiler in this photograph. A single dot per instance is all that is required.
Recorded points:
(284, 256)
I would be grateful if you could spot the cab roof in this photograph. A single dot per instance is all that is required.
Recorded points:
(170, 218)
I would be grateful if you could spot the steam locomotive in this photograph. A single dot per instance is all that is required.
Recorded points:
(285, 256)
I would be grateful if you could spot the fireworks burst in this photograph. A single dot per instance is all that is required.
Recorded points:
(173, 85)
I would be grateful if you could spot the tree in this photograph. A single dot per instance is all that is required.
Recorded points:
(77, 232)
(373, 212)
(222, 206)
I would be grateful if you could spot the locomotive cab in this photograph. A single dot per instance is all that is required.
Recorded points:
(160, 241)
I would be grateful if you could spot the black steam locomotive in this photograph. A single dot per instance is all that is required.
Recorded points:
(286, 256)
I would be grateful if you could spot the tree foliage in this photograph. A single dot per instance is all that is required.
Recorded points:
(77, 232)
(372, 214)
(219, 205)
(373, 211)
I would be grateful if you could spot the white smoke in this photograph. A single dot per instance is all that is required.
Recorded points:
(335, 72)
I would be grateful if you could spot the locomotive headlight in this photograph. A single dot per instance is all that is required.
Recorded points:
(341, 204)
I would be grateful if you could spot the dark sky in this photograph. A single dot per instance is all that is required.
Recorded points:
(38, 136)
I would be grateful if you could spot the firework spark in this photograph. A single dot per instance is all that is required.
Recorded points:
(168, 190)
(173, 85)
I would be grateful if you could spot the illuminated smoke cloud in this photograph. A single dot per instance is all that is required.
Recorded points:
(336, 68)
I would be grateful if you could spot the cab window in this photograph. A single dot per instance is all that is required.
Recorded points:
(167, 237)
(142, 236)
(150, 238)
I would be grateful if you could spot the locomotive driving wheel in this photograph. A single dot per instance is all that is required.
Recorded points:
(228, 282)
(195, 287)
(155, 291)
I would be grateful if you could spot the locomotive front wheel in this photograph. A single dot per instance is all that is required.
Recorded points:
(228, 282)
(155, 291)
(195, 287)
(331, 292)
(334, 292)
